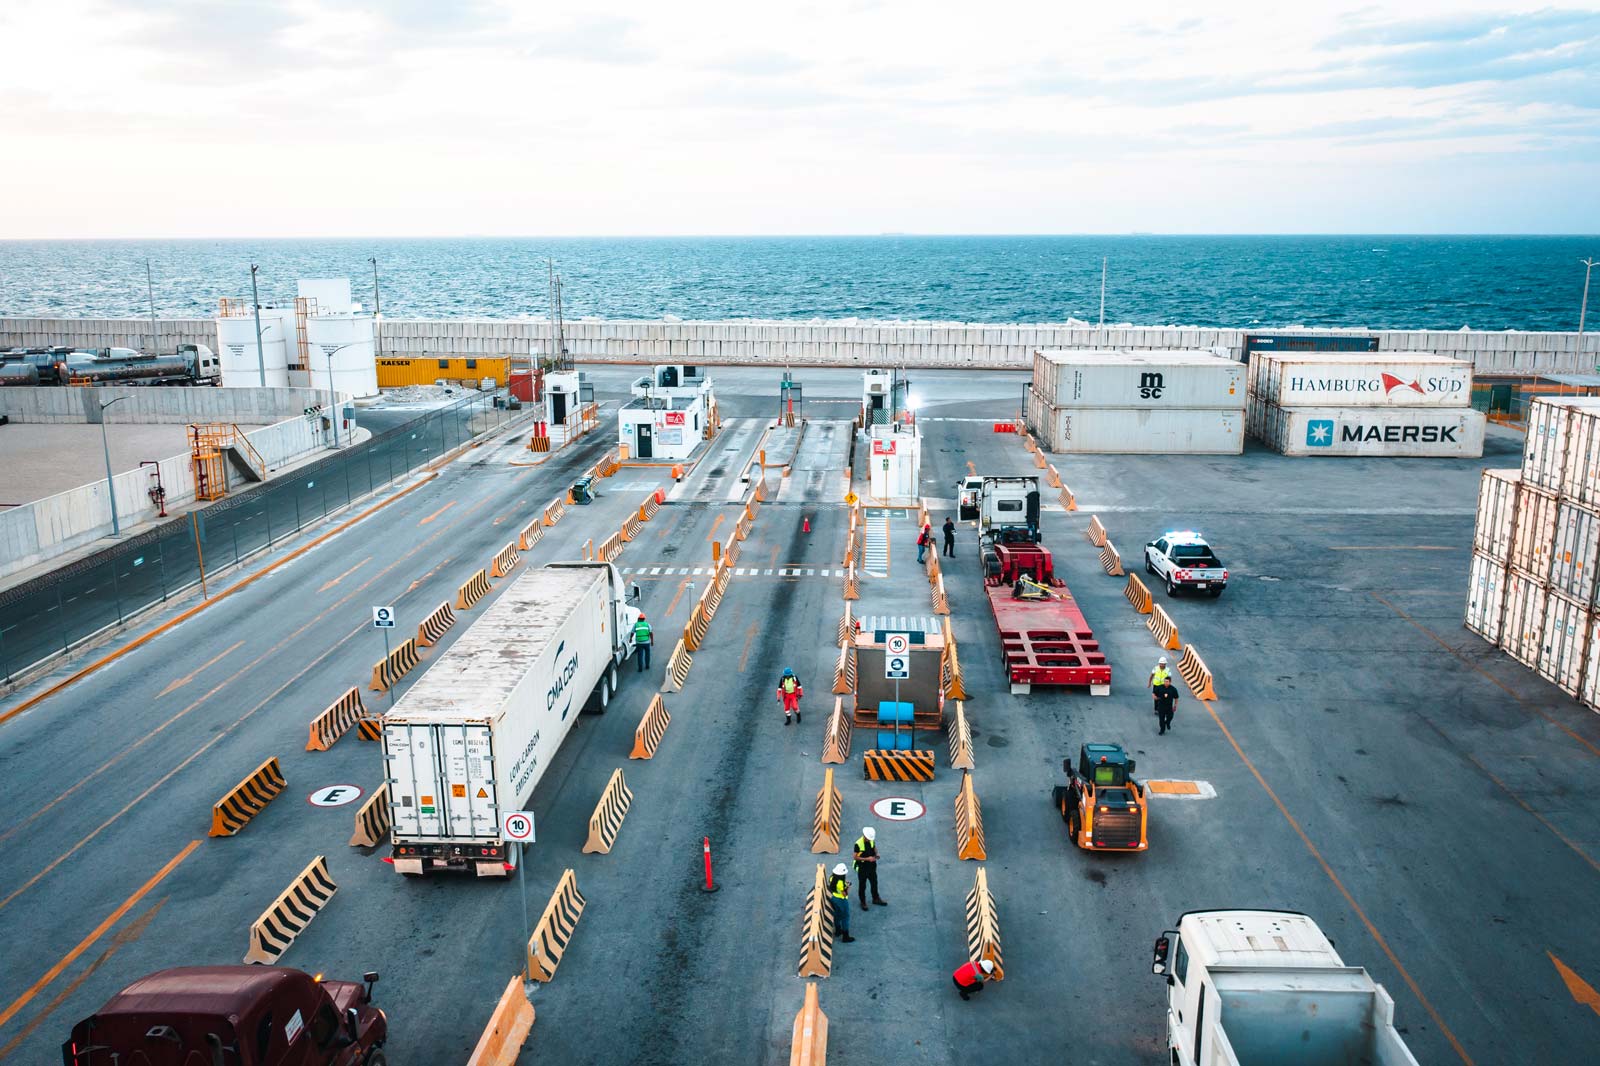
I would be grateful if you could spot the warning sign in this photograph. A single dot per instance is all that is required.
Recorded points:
(483, 793)
(883, 447)
(458, 791)
(334, 795)
(675, 418)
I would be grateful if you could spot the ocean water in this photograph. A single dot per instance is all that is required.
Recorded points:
(1394, 282)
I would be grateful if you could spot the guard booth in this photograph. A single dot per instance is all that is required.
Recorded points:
(562, 395)
(895, 463)
(661, 427)
(883, 397)
(915, 705)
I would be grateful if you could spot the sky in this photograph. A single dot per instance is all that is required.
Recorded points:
(187, 118)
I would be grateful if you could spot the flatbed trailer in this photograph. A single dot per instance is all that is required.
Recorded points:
(1047, 641)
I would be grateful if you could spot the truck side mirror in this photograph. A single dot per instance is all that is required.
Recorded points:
(634, 592)
(1066, 764)
(352, 1024)
(371, 978)
(1131, 767)
(1158, 964)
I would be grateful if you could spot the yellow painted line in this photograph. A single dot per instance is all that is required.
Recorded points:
(713, 534)
(87, 942)
(419, 581)
(673, 606)
(1350, 900)
(749, 639)
(1582, 991)
(1173, 788)
(437, 513)
(186, 678)
(346, 574)
(1391, 547)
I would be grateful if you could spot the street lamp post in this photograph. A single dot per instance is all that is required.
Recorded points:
(111, 488)
(261, 352)
(1583, 311)
(155, 329)
(333, 402)
(377, 305)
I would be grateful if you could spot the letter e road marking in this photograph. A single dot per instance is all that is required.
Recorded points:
(898, 809)
(334, 795)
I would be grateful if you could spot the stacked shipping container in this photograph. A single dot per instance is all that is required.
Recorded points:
(1147, 401)
(1536, 550)
(1366, 403)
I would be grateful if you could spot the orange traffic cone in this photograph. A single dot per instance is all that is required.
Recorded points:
(806, 528)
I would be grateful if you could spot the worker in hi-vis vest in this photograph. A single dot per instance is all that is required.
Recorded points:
(969, 977)
(789, 691)
(839, 898)
(1160, 675)
(643, 637)
(866, 852)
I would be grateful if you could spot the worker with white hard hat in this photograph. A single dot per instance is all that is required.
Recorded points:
(839, 897)
(970, 977)
(866, 851)
(1160, 675)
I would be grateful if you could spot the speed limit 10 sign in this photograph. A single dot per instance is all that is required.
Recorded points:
(897, 643)
(518, 825)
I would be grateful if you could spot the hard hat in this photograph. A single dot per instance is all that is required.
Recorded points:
(869, 832)
(789, 671)
(641, 615)
(841, 869)
(1161, 661)
(986, 966)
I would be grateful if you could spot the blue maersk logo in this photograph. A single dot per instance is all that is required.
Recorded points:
(1319, 433)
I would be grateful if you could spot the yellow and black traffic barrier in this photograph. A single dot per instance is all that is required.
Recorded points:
(1196, 674)
(950, 676)
(1096, 532)
(1137, 595)
(606, 821)
(1069, 499)
(433, 627)
(941, 602)
(373, 820)
(610, 548)
(836, 739)
(844, 671)
(969, 822)
(809, 1042)
(648, 509)
(983, 925)
(1165, 629)
(505, 560)
(890, 765)
(630, 528)
(554, 510)
(741, 527)
(370, 728)
(847, 626)
(334, 722)
(960, 738)
(472, 590)
(816, 930)
(827, 817)
(1110, 558)
(508, 1028)
(553, 932)
(651, 728)
(288, 915)
(531, 534)
(852, 588)
(1038, 457)
(694, 630)
(678, 664)
(247, 799)
(1052, 477)
(386, 672)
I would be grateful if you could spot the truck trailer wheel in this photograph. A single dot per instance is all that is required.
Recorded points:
(376, 1058)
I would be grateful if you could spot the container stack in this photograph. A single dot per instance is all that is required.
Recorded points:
(1536, 550)
(1163, 401)
(1364, 403)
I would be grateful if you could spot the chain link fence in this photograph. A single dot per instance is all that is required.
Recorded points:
(60, 610)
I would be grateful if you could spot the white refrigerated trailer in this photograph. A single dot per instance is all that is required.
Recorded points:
(472, 737)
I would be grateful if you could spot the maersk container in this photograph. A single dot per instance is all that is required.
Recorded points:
(1126, 430)
(1533, 540)
(1576, 552)
(469, 741)
(1486, 596)
(1497, 509)
(1563, 644)
(1522, 618)
(1374, 432)
(1163, 378)
(1366, 379)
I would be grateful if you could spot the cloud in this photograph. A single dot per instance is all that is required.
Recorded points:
(591, 39)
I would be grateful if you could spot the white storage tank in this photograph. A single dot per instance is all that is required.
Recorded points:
(1160, 378)
(1455, 433)
(347, 341)
(236, 348)
(1136, 430)
(1361, 379)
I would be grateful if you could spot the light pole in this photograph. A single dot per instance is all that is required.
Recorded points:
(111, 488)
(1583, 311)
(261, 352)
(377, 305)
(333, 403)
(155, 330)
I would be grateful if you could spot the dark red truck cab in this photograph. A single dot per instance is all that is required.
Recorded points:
(233, 1016)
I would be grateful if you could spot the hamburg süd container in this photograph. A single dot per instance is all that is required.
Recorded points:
(1575, 553)
(1497, 509)
(1163, 378)
(1522, 620)
(1137, 430)
(1373, 432)
(1361, 379)
(1534, 537)
(1564, 642)
(1486, 597)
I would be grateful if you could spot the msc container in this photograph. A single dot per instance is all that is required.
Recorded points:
(1576, 552)
(1136, 430)
(1563, 646)
(472, 737)
(1373, 432)
(1361, 379)
(1485, 596)
(1497, 508)
(1160, 378)
(1522, 618)
(1534, 537)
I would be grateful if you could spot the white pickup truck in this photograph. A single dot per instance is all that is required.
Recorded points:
(1184, 560)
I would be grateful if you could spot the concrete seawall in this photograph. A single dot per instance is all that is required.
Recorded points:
(834, 343)
(142, 405)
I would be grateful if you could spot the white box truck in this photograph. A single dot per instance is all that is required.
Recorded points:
(1260, 987)
(472, 737)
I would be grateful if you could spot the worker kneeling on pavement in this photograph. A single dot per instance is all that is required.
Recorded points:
(866, 851)
(839, 897)
(970, 977)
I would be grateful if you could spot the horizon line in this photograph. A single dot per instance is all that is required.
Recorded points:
(793, 236)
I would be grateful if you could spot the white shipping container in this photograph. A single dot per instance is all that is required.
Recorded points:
(1136, 430)
(1544, 450)
(1362, 379)
(472, 737)
(1486, 596)
(1589, 691)
(1576, 552)
(1497, 507)
(1162, 378)
(1392, 432)
(1563, 646)
(1580, 470)
(1534, 538)
(1522, 618)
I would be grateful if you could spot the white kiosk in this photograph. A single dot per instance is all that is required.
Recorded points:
(894, 463)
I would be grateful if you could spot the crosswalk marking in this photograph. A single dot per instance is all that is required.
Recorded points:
(699, 571)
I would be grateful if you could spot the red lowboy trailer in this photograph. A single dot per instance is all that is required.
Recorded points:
(1043, 636)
